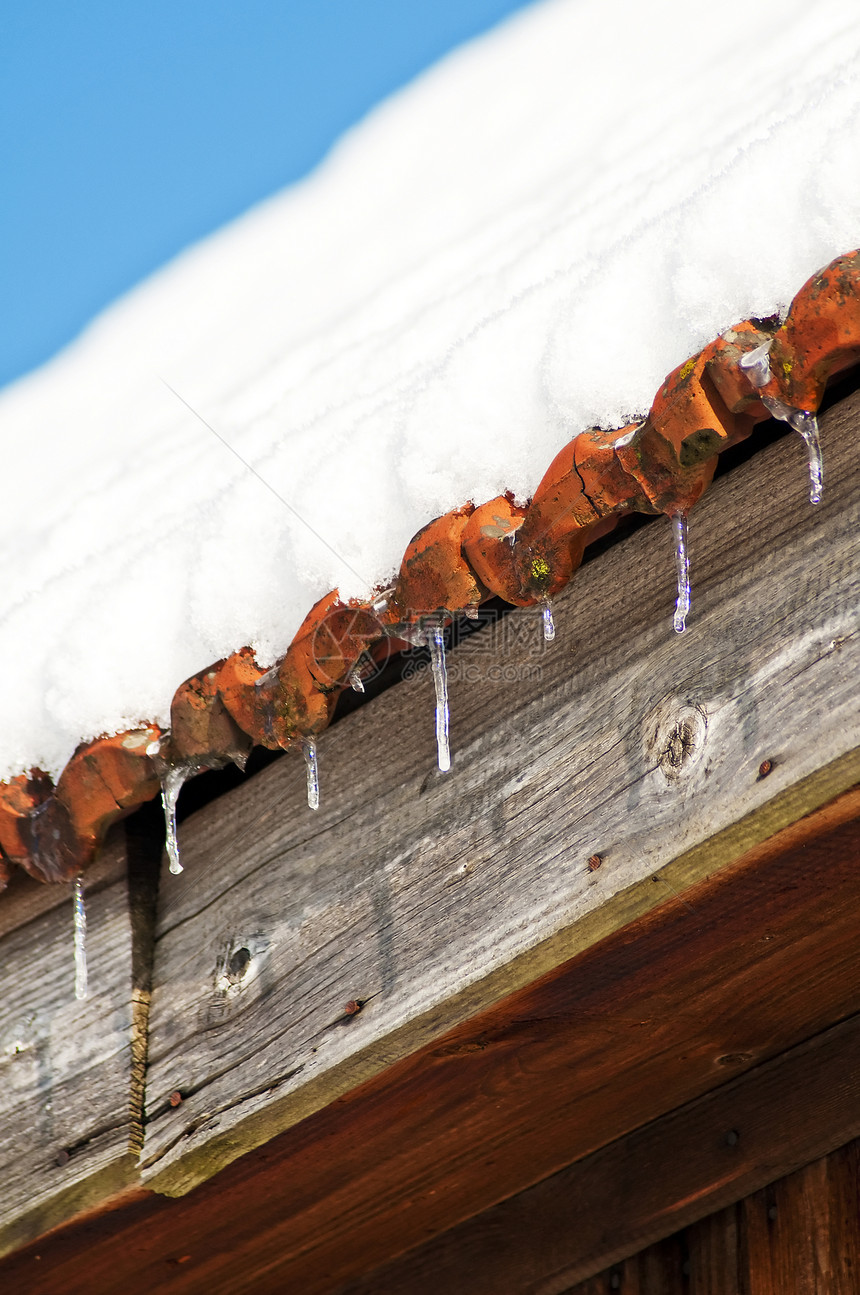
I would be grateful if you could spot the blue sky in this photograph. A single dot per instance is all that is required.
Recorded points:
(130, 129)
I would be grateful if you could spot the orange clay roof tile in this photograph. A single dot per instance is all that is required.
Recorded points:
(662, 464)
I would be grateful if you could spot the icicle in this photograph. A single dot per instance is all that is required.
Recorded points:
(809, 432)
(356, 680)
(682, 562)
(309, 751)
(80, 939)
(807, 425)
(171, 785)
(436, 644)
(756, 364)
(622, 442)
(548, 622)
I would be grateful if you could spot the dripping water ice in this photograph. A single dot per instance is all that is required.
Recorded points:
(80, 920)
(756, 364)
(268, 678)
(548, 622)
(171, 785)
(682, 562)
(807, 425)
(627, 439)
(309, 751)
(436, 644)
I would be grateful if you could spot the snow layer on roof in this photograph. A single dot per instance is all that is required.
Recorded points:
(519, 245)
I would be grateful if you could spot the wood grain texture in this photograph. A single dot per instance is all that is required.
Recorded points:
(659, 1013)
(798, 1236)
(714, 1249)
(802, 1234)
(433, 897)
(65, 1066)
(719, 1148)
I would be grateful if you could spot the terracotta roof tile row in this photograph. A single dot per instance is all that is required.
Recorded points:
(524, 555)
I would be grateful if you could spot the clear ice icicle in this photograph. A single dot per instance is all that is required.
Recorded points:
(356, 680)
(548, 622)
(436, 644)
(807, 425)
(809, 432)
(309, 751)
(756, 364)
(80, 918)
(171, 785)
(682, 562)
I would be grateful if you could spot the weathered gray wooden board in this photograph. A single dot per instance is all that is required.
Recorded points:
(432, 896)
(65, 1066)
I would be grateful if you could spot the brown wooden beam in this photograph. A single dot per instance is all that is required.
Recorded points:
(724, 1146)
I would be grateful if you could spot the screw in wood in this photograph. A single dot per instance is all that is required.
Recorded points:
(765, 768)
(175, 1098)
(594, 862)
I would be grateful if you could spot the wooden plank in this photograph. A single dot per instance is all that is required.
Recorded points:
(659, 1270)
(714, 1249)
(65, 1066)
(759, 957)
(721, 1147)
(800, 1235)
(803, 1233)
(433, 897)
(844, 1203)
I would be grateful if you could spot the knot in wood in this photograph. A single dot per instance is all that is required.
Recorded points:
(675, 736)
(240, 964)
(679, 747)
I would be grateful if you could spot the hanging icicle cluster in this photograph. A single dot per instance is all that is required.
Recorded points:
(524, 555)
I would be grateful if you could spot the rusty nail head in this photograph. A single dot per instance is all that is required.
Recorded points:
(63, 1157)
(175, 1098)
(354, 1006)
(765, 768)
(594, 862)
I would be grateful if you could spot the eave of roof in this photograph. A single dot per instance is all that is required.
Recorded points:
(524, 555)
